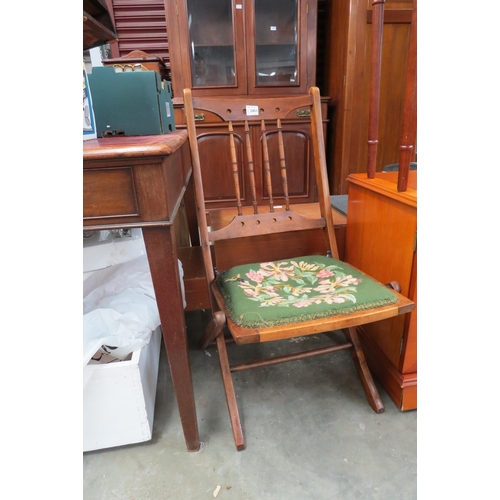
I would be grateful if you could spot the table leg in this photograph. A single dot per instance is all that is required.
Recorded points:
(190, 204)
(162, 256)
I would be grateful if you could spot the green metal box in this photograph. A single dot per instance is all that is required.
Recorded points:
(131, 103)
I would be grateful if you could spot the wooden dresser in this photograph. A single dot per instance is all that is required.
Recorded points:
(381, 239)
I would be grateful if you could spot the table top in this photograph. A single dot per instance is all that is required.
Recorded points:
(386, 183)
(133, 146)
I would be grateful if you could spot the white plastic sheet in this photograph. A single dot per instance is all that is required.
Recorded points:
(120, 310)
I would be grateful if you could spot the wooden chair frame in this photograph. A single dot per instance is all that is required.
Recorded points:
(273, 110)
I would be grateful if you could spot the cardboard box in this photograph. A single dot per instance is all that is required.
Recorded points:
(131, 102)
(119, 398)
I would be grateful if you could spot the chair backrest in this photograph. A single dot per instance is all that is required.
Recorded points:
(269, 115)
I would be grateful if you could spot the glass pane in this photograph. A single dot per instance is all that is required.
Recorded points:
(276, 40)
(212, 42)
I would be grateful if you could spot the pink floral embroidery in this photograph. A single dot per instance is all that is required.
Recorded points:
(271, 291)
(279, 272)
(324, 273)
(347, 281)
(293, 284)
(255, 276)
(303, 303)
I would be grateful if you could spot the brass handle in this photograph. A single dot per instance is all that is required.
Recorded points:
(199, 117)
(303, 112)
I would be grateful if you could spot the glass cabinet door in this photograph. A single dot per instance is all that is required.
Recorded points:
(211, 43)
(276, 24)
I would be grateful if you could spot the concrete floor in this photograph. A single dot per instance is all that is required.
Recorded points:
(309, 430)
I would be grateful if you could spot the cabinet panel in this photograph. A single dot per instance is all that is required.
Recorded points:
(212, 41)
(109, 193)
(408, 362)
(206, 46)
(274, 58)
(276, 53)
(216, 167)
(298, 163)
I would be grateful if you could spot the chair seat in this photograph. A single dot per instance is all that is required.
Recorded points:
(289, 291)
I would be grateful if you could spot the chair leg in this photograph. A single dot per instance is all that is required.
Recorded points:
(371, 392)
(213, 329)
(230, 395)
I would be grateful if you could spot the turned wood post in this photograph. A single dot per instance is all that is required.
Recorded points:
(409, 134)
(375, 70)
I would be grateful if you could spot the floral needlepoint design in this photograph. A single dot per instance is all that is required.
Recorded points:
(286, 291)
(292, 284)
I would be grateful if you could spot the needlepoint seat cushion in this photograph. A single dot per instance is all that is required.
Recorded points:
(301, 289)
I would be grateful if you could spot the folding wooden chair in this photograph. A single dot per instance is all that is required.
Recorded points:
(295, 295)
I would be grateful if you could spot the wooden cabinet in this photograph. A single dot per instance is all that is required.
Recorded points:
(239, 47)
(381, 238)
(226, 48)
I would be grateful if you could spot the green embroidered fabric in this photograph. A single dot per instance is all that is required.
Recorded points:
(301, 289)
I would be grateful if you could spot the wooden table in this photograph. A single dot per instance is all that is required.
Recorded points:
(140, 182)
(381, 239)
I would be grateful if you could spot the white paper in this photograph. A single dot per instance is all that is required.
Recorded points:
(252, 110)
(120, 310)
